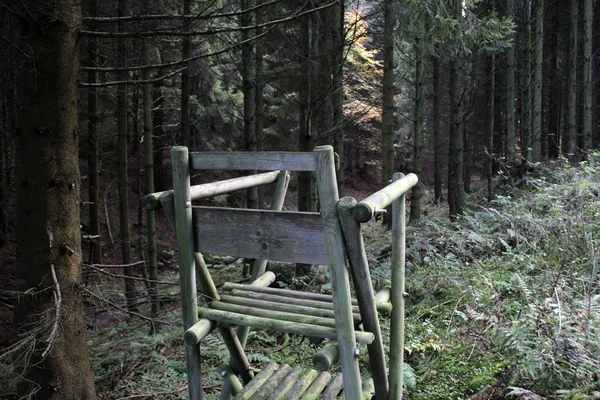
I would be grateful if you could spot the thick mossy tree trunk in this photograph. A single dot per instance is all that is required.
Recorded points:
(125, 235)
(49, 260)
(568, 142)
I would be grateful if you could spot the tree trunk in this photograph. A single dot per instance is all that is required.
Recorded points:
(388, 108)
(48, 206)
(536, 133)
(489, 145)
(249, 89)
(149, 178)
(527, 142)
(259, 94)
(588, 81)
(511, 143)
(455, 146)
(568, 143)
(415, 201)
(437, 136)
(185, 83)
(125, 235)
(555, 96)
(93, 173)
(337, 27)
(158, 119)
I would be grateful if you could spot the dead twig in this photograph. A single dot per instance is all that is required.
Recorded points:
(57, 304)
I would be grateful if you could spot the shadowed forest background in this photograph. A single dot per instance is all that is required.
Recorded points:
(494, 104)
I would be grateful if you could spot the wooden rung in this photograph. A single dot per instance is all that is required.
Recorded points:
(284, 307)
(333, 389)
(266, 313)
(314, 390)
(301, 385)
(287, 300)
(286, 384)
(252, 387)
(198, 331)
(297, 328)
(257, 160)
(273, 382)
(382, 298)
(324, 359)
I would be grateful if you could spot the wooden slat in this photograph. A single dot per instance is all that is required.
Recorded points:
(277, 306)
(301, 385)
(260, 161)
(251, 388)
(271, 235)
(315, 389)
(296, 328)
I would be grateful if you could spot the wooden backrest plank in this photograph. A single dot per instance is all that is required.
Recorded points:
(262, 234)
(257, 161)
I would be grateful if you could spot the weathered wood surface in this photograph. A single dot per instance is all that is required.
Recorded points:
(396, 364)
(359, 267)
(153, 200)
(324, 359)
(284, 307)
(251, 388)
(340, 282)
(231, 383)
(334, 388)
(198, 331)
(273, 382)
(263, 234)
(187, 273)
(273, 314)
(256, 160)
(284, 326)
(286, 384)
(365, 210)
(301, 385)
(315, 390)
(290, 300)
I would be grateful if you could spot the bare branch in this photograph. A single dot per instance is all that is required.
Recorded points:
(292, 17)
(57, 305)
(133, 82)
(130, 277)
(167, 17)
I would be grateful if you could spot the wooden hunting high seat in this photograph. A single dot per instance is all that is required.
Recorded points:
(326, 238)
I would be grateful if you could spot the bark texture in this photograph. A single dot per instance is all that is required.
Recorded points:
(48, 205)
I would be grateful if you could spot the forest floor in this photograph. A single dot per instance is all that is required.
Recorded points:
(503, 303)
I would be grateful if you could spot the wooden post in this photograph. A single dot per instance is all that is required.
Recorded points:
(396, 377)
(187, 269)
(260, 266)
(361, 277)
(328, 197)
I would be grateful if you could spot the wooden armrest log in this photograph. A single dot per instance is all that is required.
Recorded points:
(296, 328)
(153, 200)
(324, 359)
(365, 210)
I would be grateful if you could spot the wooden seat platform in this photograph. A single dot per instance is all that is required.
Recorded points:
(284, 382)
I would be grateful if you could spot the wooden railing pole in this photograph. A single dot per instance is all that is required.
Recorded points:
(187, 273)
(396, 366)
